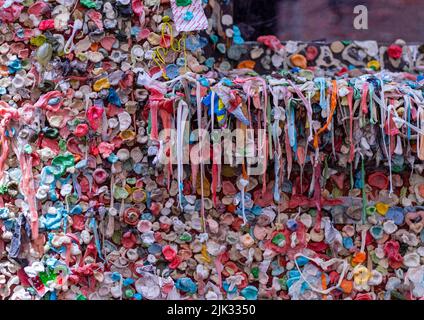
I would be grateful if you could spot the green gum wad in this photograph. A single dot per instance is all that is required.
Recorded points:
(38, 40)
(72, 198)
(398, 168)
(283, 282)
(382, 270)
(28, 148)
(3, 189)
(82, 56)
(279, 240)
(27, 3)
(129, 293)
(183, 3)
(255, 272)
(131, 181)
(51, 133)
(120, 193)
(45, 277)
(336, 192)
(62, 145)
(185, 237)
(116, 237)
(374, 257)
(88, 4)
(62, 162)
(403, 192)
(397, 295)
(370, 210)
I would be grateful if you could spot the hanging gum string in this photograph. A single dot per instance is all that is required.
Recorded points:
(202, 169)
(419, 136)
(350, 103)
(270, 152)
(265, 93)
(324, 285)
(408, 115)
(214, 163)
(373, 115)
(364, 105)
(330, 117)
(364, 195)
(159, 58)
(27, 183)
(307, 105)
(389, 118)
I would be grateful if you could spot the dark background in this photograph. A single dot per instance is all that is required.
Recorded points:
(330, 20)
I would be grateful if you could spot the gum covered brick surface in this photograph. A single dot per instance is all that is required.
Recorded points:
(117, 180)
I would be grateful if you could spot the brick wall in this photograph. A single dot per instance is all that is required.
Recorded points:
(333, 19)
